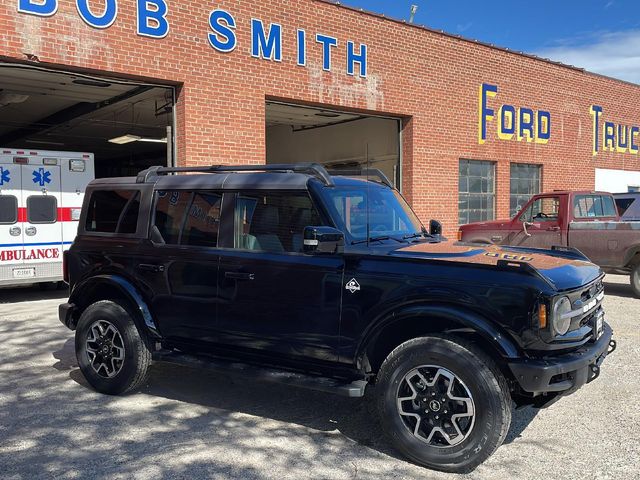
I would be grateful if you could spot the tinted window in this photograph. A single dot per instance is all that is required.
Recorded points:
(171, 206)
(588, 206)
(273, 222)
(42, 209)
(8, 209)
(113, 211)
(623, 204)
(542, 210)
(203, 221)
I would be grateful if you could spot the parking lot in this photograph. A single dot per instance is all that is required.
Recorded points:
(191, 424)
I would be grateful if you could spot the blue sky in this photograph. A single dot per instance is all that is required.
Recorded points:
(600, 35)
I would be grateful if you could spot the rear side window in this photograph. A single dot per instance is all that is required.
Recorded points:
(8, 209)
(113, 211)
(187, 218)
(203, 221)
(589, 206)
(623, 204)
(42, 209)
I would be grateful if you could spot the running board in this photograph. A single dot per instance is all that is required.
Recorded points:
(322, 384)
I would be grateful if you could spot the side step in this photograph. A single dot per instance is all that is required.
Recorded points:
(323, 384)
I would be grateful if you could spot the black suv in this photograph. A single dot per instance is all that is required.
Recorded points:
(292, 274)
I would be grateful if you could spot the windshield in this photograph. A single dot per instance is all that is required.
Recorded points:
(388, 214)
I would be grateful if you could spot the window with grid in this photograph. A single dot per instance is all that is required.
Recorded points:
(476, 191)
(525, 183)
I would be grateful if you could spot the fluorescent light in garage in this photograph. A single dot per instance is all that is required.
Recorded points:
(153, 140)
(125, 139)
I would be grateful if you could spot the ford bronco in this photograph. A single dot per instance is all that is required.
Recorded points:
(328, 280)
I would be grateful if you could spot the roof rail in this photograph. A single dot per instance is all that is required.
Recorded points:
(314, 169)
(363, 172)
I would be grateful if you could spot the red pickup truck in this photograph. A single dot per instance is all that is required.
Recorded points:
(587, 221)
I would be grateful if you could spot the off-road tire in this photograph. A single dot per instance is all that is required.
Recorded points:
(634, 279)
(137, 348)
(483, 380)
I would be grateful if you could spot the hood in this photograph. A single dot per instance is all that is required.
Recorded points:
(561, 269)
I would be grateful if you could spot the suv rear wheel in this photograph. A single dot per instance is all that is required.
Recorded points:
(443, 403)
(111, 353)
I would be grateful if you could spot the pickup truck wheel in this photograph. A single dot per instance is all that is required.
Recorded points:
(635, 279)
(111, 353)
(443, 403)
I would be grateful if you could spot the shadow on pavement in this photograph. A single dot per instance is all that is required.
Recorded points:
(618, 289)
(32, 293)
(354, 418)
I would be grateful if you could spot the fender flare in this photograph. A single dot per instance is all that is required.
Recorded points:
(463, 317)
(128, 290)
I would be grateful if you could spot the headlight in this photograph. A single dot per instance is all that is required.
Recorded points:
(560, 320)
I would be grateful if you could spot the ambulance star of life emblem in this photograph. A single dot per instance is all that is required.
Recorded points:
(41, 177)
(352, 285)
(4, 176)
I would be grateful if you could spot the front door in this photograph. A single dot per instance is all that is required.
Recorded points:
(273, 297)
(540, 224)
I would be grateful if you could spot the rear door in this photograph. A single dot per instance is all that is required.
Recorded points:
(42, 232)
(10, 226)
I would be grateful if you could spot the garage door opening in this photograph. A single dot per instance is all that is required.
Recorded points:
(336, 139)
(128, 126)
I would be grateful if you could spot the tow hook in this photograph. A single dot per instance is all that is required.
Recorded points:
(612, 346)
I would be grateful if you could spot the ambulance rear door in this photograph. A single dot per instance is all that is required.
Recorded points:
(41, 229)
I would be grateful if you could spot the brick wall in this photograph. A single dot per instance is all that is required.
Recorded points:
(428, 78)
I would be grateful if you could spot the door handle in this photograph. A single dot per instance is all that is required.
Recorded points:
(149, 267)
(239, 276)
(553, 229)
(15, 231)
(31, 231)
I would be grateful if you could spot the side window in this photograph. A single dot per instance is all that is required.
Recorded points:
(171, 206)
(273, 222)
(42, 209)
(203, 220)
(542, 210)
(8, 209)
(590, 206)
(113, 211)
(623, 204)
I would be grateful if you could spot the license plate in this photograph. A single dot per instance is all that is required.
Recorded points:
(599, 326)
(24, 272)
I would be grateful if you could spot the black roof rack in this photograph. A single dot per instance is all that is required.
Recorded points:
(363, 172)
(313, 169)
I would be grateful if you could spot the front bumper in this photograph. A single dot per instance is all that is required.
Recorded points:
(563, 374)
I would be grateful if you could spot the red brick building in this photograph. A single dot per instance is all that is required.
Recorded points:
(237, 81)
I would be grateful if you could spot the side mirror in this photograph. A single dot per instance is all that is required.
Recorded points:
(435, 228)
(322, 240)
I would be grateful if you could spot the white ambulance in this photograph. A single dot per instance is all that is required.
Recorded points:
(41, 195)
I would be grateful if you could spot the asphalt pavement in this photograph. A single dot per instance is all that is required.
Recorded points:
(191, 424)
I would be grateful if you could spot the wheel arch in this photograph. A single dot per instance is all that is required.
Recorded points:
(116, 288)
(419, 320)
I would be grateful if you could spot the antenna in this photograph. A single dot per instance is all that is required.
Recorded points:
(368, 185)
(414, 9)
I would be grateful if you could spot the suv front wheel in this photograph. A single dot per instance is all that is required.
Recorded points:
(443, 403)
(111, 353)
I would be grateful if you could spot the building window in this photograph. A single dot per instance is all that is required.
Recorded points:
(525, 183)
(476, 191)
